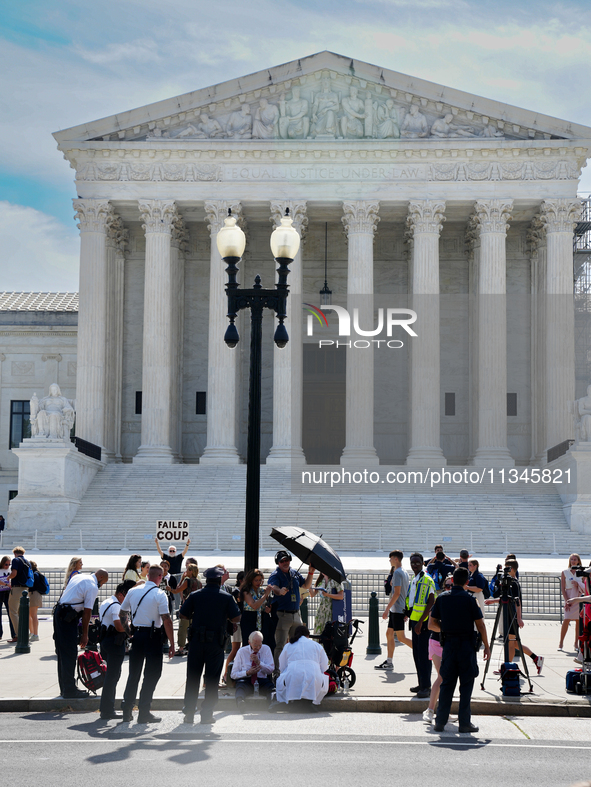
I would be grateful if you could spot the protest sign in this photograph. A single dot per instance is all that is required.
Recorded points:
(172, 530)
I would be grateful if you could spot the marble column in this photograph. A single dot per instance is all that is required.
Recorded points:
(424, 222)
(222, 364)
(288, 361)
(559, 217)
(116, 243)
(490, 225)
(536, 246)
(360, 221)
(159, 352)
(179, 247)
(94, 216)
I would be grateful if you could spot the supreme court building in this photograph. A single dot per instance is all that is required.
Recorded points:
(425, 195)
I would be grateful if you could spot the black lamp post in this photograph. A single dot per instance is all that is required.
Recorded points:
(231, 242)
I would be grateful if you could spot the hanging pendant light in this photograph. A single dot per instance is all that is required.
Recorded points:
(325, 293)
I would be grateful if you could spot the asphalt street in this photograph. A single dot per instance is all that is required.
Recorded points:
(330, 749)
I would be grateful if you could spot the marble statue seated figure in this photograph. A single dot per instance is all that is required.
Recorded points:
(53, 416)
(240, 123)
(414, 125)
(266, 118)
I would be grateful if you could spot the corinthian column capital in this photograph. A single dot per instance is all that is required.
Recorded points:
(93, 215)
(216, 210)
(158, 215)
(492, 215)
(297, 212)
(360, 216)
(560, 215)
(425, 215)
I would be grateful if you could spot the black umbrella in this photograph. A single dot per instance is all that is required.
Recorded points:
(311, 549)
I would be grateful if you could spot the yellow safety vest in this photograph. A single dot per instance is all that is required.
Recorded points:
(424, 588)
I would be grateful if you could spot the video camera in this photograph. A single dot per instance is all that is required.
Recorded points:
(582, 572)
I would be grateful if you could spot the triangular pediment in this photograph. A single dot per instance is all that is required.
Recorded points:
(324, 97)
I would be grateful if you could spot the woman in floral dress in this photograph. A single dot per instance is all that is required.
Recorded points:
(330, 591)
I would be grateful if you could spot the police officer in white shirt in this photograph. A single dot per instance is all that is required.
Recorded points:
(112, 638)
(147, 608)
(76, 602)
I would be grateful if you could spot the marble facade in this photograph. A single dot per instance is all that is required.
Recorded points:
(444, 197)
(38, 337)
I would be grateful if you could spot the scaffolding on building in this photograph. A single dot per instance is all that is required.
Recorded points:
(582, 293)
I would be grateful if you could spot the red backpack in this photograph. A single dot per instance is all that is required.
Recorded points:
(91, 670)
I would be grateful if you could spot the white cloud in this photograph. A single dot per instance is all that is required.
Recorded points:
(38, 253)
(139, 51)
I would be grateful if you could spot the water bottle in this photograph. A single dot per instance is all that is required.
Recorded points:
(256, 689)
(346, 687)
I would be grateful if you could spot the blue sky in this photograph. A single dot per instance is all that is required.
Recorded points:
(65, 63)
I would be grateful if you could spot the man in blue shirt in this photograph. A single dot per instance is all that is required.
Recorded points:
(477, 584)
(286, 583)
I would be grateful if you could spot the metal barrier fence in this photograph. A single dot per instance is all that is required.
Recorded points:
(542, 597)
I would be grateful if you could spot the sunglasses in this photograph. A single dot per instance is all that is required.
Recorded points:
(448, 585)
(285, 560)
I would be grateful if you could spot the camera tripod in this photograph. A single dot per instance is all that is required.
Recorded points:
(508, 612)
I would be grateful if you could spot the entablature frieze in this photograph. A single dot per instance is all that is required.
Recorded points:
(330, 163)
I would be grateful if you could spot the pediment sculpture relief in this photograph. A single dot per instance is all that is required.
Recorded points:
(327, 111)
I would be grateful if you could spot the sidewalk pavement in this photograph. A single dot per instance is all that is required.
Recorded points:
(30, 680)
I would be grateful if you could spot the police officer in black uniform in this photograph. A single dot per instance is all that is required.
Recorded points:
(209, 610)
(454, 615)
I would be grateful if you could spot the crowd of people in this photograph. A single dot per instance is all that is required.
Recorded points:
(272, 653)
(271, 649)
(444, 604)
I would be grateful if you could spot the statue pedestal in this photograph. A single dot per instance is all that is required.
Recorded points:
(576, 493)
(52, 479)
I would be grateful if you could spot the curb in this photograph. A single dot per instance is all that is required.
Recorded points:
(494, 707)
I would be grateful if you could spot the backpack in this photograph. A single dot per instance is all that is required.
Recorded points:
(40, 584)
(494, 587)
(573, 680)
(91, 670)
(510, 673)
(28, 578)
(333, 681)
(94, 635)
(486, 589)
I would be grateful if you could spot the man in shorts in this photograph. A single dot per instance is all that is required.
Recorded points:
(395, 610)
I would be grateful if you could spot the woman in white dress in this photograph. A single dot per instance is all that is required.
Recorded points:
(571, 586)
(303, 663)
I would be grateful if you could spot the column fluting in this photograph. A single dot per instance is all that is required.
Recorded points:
(424, 222)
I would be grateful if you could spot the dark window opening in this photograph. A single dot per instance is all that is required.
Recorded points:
(20, 425)
(12, 493)
(200, 403)
(511, 404)
(450, 404)
(138, 402)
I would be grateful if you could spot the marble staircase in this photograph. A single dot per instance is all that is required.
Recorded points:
(122, 505)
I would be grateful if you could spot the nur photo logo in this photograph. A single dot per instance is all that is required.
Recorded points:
(388, 319)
